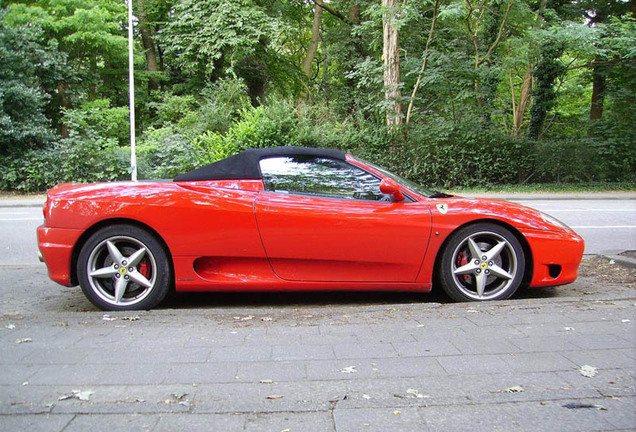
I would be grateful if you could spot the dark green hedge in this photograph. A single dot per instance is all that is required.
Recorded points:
(435, 155)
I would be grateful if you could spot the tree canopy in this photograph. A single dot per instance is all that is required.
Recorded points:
(448, 92)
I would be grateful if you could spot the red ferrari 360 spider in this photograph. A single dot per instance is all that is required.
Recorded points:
(294, 218)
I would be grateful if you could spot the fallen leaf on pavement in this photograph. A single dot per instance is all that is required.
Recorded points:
(83, 395)
(179, 396)
(414, 393)
(588, 371)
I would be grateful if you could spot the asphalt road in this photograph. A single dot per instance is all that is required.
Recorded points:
(606, 225)
(17, 231)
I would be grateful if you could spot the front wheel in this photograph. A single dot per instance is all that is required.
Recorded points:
(481, 262)
(123, 267)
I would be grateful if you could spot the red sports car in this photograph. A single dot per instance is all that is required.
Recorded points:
(294, 218)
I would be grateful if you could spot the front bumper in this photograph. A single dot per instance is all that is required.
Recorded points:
(56, 251)
(556, 256)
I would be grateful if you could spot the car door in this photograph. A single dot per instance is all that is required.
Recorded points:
(325, 220)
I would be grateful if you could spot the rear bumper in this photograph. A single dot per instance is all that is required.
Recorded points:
(556, 257)
(56, 251)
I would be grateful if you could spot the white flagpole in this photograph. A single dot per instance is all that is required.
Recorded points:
(131, 92)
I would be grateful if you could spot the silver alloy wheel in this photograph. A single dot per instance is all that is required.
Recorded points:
(121, 270)
(484, 265)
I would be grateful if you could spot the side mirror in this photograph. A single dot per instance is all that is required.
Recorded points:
(390, 187)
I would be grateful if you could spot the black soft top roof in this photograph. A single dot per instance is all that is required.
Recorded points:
(245, 164)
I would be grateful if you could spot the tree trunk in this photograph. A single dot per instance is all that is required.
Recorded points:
(519, 110)
(602, 14)
(391, 59)
(424, 61)
(598, 97)
(329, 9)
(526, 89)
(315, 41)
(354, 14)
(149, 45)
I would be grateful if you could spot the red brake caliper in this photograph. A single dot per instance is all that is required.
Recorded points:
(144, 269)
(462, 260)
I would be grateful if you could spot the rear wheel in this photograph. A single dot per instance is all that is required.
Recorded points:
(123, 267)
(481, 262)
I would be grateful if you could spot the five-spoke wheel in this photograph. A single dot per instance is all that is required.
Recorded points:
(483, 261)
(122, 267)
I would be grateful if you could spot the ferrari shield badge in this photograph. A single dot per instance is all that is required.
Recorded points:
(442, 208)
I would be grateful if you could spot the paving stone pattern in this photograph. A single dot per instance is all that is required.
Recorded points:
(318, 362)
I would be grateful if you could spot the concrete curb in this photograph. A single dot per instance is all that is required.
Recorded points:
(620, 259)
(8, 203)
(554, 196)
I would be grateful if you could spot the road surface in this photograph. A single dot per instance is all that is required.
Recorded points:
(606, 225)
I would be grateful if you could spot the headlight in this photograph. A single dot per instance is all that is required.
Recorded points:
(553, 221)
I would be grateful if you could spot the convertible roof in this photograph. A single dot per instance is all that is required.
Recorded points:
(245, 164)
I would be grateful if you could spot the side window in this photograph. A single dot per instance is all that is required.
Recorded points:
(319, 176)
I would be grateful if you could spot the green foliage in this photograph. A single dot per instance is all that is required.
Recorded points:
(97, 119)
(230, 79)
(90, 32)
(221, 104)
(264, 126)
(164, 153)
(546, 72)
(171, 109)
(211, 39)
(71, 160)
(617, 47)
(447, 156)
(28, 68)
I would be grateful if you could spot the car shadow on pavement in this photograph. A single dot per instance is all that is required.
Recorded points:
(324, 298)
(300, 298)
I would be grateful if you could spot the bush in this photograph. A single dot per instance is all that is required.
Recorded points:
(164, 153)
(71, 160)
(439, 154)
(98, 120)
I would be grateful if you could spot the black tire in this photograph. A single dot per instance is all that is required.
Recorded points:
(482, 261)
(123, 267)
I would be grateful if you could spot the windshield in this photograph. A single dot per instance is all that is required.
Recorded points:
(404, 182)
